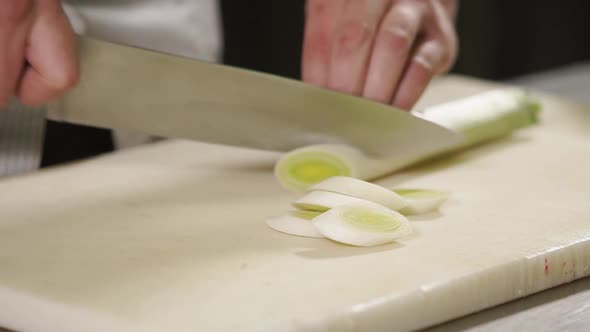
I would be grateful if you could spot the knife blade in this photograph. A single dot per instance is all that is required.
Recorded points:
(124, 87)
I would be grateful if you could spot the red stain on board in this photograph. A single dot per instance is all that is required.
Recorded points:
(574, 269)
(546, 267)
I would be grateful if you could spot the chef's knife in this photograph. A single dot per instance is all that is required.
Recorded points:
(125, 87)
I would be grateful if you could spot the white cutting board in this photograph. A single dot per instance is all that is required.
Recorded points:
(171, 237)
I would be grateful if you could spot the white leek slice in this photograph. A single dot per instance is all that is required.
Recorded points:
(361, 189)
(421, 201)
(296, 223)
(362, 224)
(479, 118)
(323, 201)
(303, 167)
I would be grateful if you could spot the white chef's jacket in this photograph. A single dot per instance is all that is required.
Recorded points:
(189, 28)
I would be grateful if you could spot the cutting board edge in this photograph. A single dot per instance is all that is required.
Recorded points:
(535, 273)
(51, 316)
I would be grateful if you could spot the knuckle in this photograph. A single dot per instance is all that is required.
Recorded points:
(430, 55)
(14, 11)
(353, 34)
(395, 40)
(407, 13)
(401, 26)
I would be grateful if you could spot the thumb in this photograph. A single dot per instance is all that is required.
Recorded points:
(51, 55)
(15, 21)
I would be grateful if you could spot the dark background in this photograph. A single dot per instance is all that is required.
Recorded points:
(499, 39)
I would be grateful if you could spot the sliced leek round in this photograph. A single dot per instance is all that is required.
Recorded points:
(295, 223)
(361, 189)
(362, 224)
(323, 201)
(420, 201)
(303, 167)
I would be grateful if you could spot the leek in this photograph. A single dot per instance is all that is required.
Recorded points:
(478, 118)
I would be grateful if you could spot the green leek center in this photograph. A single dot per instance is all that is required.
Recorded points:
(313, 168)
(368, 219)
(307, 214)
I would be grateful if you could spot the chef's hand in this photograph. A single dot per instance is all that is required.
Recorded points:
(37, 51)
(385, 50)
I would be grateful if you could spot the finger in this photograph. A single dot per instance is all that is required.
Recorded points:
(53, 65)
(322, 16)
(441, 27)
(352, 43)
(391, 50)
(14, 24)
(428, 58)
(433, 57)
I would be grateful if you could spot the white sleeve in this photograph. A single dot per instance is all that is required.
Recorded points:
(189, 28)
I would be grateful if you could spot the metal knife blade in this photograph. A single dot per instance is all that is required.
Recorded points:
(130, 88)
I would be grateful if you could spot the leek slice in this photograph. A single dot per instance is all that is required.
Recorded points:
(361, 189)
(479, 118)
(322, 201)
(295, 223)
(303, 167)
(362, 224)
(419, 201)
